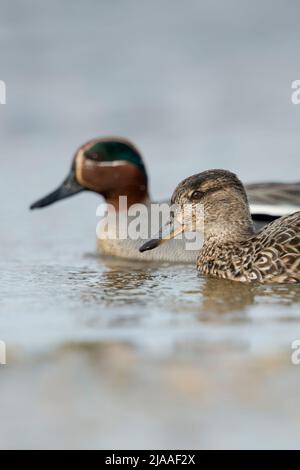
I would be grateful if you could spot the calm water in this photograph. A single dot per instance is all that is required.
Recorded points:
(110, 354)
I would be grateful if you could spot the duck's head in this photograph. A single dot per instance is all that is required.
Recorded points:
(111, 167)
(214, 202)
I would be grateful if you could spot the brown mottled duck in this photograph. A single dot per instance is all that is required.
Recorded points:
(231, 249)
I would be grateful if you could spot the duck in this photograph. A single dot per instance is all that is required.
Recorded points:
(114, 167)
(232, 250)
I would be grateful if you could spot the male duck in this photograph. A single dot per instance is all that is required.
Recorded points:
(114, 167)
(231, 249)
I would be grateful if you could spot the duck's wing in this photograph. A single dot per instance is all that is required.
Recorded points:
(277, 250)
(271, 200)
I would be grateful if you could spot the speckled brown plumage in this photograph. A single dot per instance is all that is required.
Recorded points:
(231, 249)
(273, 255)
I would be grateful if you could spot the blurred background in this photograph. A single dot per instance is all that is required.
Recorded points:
(196, 85)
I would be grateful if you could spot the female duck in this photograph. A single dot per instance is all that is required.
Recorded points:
(113, 167)
(231, 249)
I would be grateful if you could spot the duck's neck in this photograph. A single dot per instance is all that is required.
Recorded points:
(122, 201)
(222, 244)
(234, 225)
(237, 233)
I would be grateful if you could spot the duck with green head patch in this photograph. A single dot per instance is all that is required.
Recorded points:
(113, 167)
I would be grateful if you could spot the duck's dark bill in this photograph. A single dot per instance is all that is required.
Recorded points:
(167, 232)
(151, 245)
(68, 188)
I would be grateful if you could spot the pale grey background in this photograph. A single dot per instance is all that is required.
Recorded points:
(196, 85)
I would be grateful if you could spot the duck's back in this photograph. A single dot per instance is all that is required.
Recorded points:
(274, 199)
(173, 252)
(277, 250)
(109, 242)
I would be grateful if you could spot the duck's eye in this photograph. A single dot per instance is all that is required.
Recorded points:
(196, 195)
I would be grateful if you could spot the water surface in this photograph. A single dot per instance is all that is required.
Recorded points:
(104, 353)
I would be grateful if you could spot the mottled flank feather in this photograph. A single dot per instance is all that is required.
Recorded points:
(272, 256)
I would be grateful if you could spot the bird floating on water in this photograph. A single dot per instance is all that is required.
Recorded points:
(232, 250)
(113, 167)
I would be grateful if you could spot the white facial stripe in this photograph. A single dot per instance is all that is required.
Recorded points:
(78, 166)
(113, 163)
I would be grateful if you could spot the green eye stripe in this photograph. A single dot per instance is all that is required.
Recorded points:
(112, 151)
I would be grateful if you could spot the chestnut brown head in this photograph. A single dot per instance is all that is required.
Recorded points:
(111, 167)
